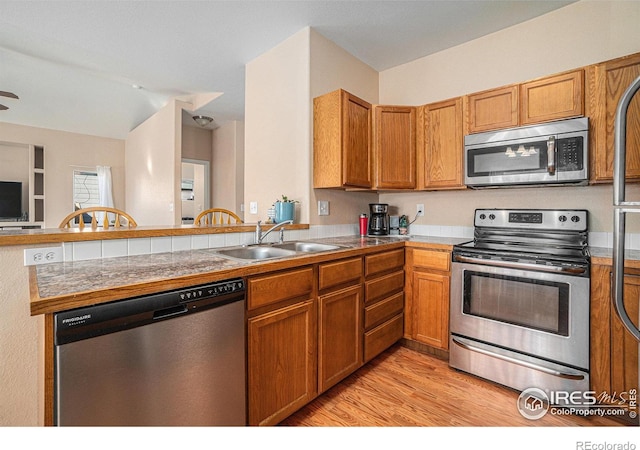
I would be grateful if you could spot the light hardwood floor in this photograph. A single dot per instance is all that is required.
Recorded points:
(403, 387)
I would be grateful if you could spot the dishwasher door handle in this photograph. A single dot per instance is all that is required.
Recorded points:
(170, 312)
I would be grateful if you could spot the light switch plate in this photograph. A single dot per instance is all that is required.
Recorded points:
(323, 207)
(253, 207)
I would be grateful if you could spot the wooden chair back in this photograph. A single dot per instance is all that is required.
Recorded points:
(217, 216)
(121, 218)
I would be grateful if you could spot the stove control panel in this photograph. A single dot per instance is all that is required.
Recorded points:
(540, 219)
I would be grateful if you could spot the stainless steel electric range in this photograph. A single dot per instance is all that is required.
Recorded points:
(520, 299)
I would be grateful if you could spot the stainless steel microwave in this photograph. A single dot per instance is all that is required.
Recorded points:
(545, 154)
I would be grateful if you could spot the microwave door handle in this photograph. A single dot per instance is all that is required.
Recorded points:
(551, 155)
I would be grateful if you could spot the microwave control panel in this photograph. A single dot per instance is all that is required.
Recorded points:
(570, 154)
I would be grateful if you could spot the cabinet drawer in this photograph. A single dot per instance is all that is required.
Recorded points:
(340, 272)
(383, 262)
(382, 337)
(432, 259)
(269, 289)
(383, 287)
(383, 310)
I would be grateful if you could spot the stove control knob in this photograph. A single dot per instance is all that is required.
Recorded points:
(482, 216)
(492, 216)
(575, 219)
(562, 218)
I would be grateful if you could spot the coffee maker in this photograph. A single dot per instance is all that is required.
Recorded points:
(378, 219)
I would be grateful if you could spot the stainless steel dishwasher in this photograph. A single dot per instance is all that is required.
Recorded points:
(173, 358)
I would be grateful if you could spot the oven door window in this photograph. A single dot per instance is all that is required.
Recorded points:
(535, 304)
(508, 159)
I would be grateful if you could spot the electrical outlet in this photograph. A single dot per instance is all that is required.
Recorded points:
(323, 207)
(33, 256)
(420, 209)
(253, 207)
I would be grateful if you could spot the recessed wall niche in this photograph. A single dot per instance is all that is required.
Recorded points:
(24, 163)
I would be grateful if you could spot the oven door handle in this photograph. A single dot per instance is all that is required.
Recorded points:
(517, 265)
(530, 365)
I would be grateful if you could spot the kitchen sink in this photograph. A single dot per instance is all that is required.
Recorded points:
(270, 251)
(257, 252)
(306, 247)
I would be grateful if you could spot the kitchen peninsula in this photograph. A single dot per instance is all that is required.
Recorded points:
(372, 268)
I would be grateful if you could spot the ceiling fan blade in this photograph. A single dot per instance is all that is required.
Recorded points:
(8, 94)
(3, 108)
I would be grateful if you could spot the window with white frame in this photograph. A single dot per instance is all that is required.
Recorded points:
(85, 189)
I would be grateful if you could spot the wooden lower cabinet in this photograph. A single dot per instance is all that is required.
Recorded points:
(614, 352)
(383, 301)
(340, 335)
(431, 309)
(382, 337)
(429, 276)
(282, 348)
(306, 328)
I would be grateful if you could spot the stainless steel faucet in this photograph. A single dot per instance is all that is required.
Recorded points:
(260, 236)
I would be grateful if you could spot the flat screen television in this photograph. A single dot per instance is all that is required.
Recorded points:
(10, 200)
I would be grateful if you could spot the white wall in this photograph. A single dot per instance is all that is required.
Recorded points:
(63, 153)
(277, 127)
(196, 143)
(333, 68)
(577, 35)
(21, 346)
(153, 153)
(280, 87)
(227, 167)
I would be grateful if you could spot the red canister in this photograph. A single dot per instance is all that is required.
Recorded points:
(363, 225)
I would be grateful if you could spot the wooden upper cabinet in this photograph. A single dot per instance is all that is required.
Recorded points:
(341, 141)
(552, 98)
(606, 83)
(492, 109)
(440, 145)
(394, 141)
(545, 99)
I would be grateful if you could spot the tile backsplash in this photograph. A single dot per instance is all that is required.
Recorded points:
(79, 251)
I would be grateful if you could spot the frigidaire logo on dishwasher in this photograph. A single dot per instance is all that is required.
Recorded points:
(76, 319)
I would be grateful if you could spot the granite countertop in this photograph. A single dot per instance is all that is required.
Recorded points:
(604, 255)
(60, 286)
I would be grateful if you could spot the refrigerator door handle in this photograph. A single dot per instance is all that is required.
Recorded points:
(619, 202)
(617, 279)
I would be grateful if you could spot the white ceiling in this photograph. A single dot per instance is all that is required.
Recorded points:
(73, 63)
